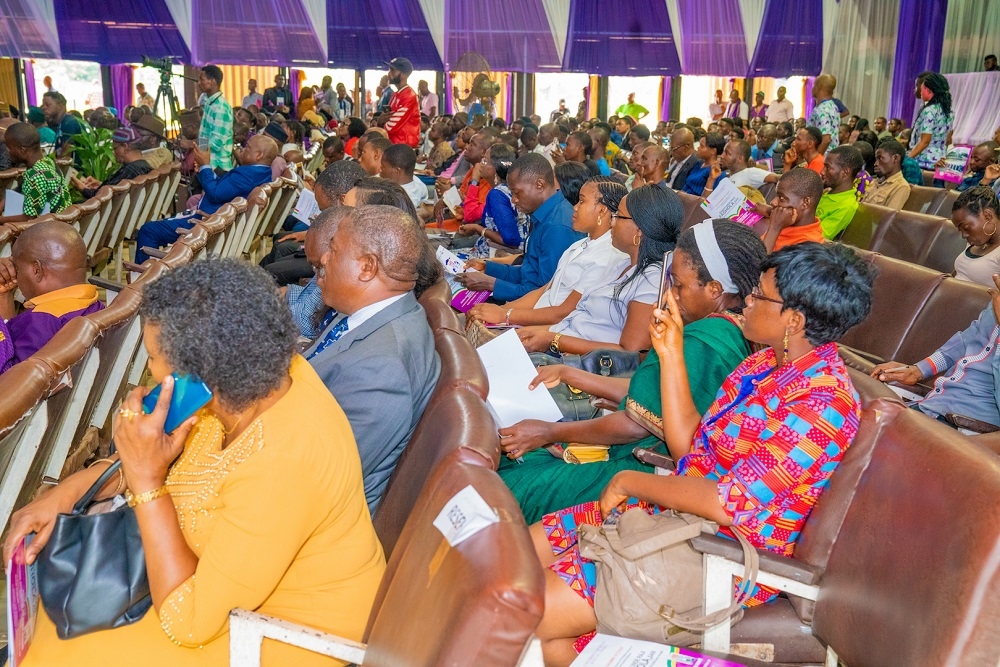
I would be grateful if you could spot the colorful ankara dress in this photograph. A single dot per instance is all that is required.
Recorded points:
(771, 439)
(713, 347)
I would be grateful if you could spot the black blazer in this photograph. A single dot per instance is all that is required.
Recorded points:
(693, 163)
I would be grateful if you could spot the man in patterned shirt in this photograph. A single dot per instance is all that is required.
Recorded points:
(825, 115)
(217, 124)
(43, 187)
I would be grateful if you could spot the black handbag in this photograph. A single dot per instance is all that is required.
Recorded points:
(577, 405)
(609, 363)
(92, 571)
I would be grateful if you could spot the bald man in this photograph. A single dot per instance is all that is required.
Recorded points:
(49, 265)
(682, 158)
(254, 170)
(825, 114)
(653, 165)
(376, 355)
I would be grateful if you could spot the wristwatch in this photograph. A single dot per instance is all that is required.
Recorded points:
(474, 182)
(554, 345)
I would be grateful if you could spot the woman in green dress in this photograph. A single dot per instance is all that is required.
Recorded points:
(715, 265)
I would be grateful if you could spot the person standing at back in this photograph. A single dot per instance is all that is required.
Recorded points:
(825, 115)
(216, 130)
(252, 98)
(780, 110)
(402, 121)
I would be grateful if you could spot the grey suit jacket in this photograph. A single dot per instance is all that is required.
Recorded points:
(382, 375)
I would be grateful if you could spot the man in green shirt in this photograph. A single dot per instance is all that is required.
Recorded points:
(636, 111)
(217, 124)
(43, 186)
(837, 205)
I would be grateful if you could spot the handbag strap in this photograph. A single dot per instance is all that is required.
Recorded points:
(661, 539)
(751, 567)
(84, 502)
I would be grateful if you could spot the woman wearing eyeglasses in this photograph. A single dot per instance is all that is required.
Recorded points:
(616, 314)
(761, 455)
(715, 266)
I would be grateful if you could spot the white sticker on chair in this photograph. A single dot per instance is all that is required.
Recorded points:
(464, 515)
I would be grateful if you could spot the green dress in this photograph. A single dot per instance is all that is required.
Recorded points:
(713, 348)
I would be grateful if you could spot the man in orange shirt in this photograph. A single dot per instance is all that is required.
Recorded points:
(805, 150)
(792, 217)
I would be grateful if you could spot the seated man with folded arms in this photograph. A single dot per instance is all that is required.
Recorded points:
(254, 170)
(49, 265)
(533, 190)
(43, 186)
(377, 354)
(890, 188)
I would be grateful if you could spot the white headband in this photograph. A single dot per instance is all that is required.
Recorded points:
(711, 254)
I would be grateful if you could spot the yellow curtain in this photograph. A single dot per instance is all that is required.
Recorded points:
(235, 77)
(8, 83)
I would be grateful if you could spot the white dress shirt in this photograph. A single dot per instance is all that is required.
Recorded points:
(752, 176)
(676, 169)
(779, 112)
(586, 265)
(362, 315)
(600, 317)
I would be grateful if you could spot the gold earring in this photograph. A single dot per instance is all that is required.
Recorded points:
(785, 358)
(636, 239)
(600, 221)
(994, 229)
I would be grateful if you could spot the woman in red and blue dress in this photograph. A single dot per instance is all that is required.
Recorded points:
(762, 454)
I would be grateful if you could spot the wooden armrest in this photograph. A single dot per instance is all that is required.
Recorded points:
(109, 285)
(769, 562)
(653, 458)
(970, 424)
(156, 252)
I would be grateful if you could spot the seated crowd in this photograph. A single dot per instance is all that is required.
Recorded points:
(321, 361)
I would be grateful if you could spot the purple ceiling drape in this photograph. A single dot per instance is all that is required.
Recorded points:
(364, 34)
(918, 48)
(121, 87)
(262, 32)
(627, 38)
(790, 41)
(22, 32)
(513, 36)
(29, 83)
(115, 31)
(714, 42)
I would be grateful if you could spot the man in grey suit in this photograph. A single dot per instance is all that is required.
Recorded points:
(377, 355)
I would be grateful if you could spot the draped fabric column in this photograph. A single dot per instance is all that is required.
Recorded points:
(29, 83)
(918, 48)
(790, 40)
(665, 86)
(294, 79)
(970, 34)
(121, 87)
(714, 39)
(864, 34)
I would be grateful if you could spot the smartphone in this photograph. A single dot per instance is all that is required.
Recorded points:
(666, 282)
(190, 395)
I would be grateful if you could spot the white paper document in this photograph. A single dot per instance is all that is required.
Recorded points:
(464, 515)
(452, 263)
(306, 207)
(510, 371)
(610, 651)
(452, 198)
(13, 203)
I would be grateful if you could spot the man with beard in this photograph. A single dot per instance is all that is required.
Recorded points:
(402, 121)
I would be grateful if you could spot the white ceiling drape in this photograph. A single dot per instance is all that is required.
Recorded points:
(433, 11)
(970, 34)
(753, 16)
(557, 11)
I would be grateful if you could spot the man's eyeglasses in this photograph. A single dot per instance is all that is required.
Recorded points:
(758, 293)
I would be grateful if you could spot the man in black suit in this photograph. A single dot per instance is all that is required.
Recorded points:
(682, 158)
(278, 98)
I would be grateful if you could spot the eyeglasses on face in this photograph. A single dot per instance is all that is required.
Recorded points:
(758, 293)
(619, 216)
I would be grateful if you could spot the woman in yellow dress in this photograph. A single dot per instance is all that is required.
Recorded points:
(263, 509)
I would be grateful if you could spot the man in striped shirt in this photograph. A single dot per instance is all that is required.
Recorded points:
(402, 121)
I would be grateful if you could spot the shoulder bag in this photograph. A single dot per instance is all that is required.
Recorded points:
(92, 571)
(650, 579)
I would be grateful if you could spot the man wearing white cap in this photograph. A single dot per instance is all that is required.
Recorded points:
(402, 121)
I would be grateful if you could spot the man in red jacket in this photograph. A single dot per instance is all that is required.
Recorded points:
(402, 121)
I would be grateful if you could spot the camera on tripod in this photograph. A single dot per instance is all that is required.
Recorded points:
(165, 93)
(162, 64)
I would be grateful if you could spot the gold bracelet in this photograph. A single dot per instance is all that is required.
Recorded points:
(148, 496)
(121, 474)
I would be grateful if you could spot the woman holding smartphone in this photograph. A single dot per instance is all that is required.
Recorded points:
(236, 509)
(715, 266)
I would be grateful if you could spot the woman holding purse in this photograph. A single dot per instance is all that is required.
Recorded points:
(757, 460)
(256, 502)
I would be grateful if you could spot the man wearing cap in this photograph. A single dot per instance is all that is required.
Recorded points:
(402, 121)
(152, 132)
(125, 144)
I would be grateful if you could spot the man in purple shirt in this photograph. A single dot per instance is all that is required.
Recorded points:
(49, 266)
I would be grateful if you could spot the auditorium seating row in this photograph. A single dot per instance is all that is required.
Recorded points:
(920, 238)
(108, 219)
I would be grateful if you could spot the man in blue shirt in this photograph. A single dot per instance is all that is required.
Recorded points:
(62, 123)
(982, 156)
(769, 148)
(255, 169)
(533, 191)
